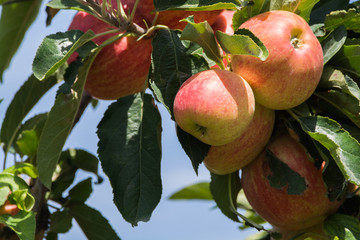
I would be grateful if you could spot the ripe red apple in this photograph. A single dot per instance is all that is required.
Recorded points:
(294, 66)
(120, 69)
(231, 157)
(8, 208)
(280, 209)
(223, 22)
(171, 18)
(215, 106)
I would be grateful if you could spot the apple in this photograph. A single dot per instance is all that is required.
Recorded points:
(8, 208)
(215, 106)
(292, 71)
(223, 22)
(316, 232)
(171, 18)
(231, 157)
(121, 68)
(282, 210)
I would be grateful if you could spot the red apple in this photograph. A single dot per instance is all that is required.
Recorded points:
(280, 209)
(120, 69)
(215, 106)
(223, 22)
(231, 157)
(9, 208)
(292, 71)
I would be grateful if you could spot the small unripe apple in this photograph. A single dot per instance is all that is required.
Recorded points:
(121, 68)
(290, 212)
(231, 157)
(215, 106)
(292, 71)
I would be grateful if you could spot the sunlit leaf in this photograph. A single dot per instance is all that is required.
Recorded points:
(199, 191)
(349, 19)
(161, 5)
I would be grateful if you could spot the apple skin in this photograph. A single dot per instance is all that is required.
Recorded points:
(316, 232)
(292, 71)
(284, 211)
(121, 68)
(215, 106)
(233, 156)
(8, 208)
(223, 22)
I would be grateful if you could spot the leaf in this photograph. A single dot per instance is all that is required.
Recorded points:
(13, 181)
(92, 223)
(333, 43)
(323, 7)
(305, 7)
(24, 100)
(193, 147)
(60, 221)
(243, 42)
(81, 191)
(349, 19)
(23, 168)
(340, 226)
(248, 11)
(55, 49)
(342, 146)
(224, 189)
(83, 160)
(199, 191)
(171, 66)
(23, 199)
(68, 4)
(23, 224)
(347, 59)
(130, 155)
(28, 142)
(16, 18)
(287, 5)
(58, 126)
(199, 5)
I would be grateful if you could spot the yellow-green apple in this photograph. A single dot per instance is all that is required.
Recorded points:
(283, 210)
(215, 106)
(292, 71)
(231, 157)
(121, 68)
(316, 232)
(172, 18)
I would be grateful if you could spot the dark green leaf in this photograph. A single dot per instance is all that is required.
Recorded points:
(23, 224)
(83, 160)
(342, 146)
(195, 191)
(55, 49)
(60, 221)
(23, 168)
(350, 19)
(224, 189)
(171, 66)
(333, 43)
(203, 34)
(16, 18)
(243, 42)
(68, 4)
(92, 223)
(283, 175)
(81, 191)
(58, 126)
(130, 155)
(347, 59)
(340, 226)
(161, 5)
(24, 100)
(193, 147)
(324, 7)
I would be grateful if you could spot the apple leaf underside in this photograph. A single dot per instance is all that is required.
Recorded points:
(161, 5)
(130, 155)
(333, 43)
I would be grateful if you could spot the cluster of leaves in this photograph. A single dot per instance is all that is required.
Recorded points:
(130, 154)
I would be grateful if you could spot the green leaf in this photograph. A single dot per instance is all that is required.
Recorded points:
(283, 175)
(243, 42)
(60, 221)
(224, 189)
(56, 48)
(92, 223)
(350, 19)
(23, 168)
(24, 100)
(68, 4)
(171, 66)
(199, 5)
(58, 126)
(339, 226)
(347, 59)
(248, 11)
(130, 155)
(16, 18)
(342, 146)
(83, 160)
(305, 7)
(28, 142)
(333, 43)
(199, 191)
(23, 199)
(13, 181)
(81, 191)
(23, 224)
(323, 7)
(202, 34)
(4, 193)
(287, 5)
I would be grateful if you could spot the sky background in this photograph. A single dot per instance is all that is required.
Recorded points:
(171, 220)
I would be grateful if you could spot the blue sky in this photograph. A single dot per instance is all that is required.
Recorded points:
(173, 220)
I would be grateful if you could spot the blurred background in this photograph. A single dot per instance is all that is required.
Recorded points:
(171, 220)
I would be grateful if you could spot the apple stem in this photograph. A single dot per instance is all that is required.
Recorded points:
(296, 42)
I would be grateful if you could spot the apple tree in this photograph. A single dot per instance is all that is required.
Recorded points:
(292, 172)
